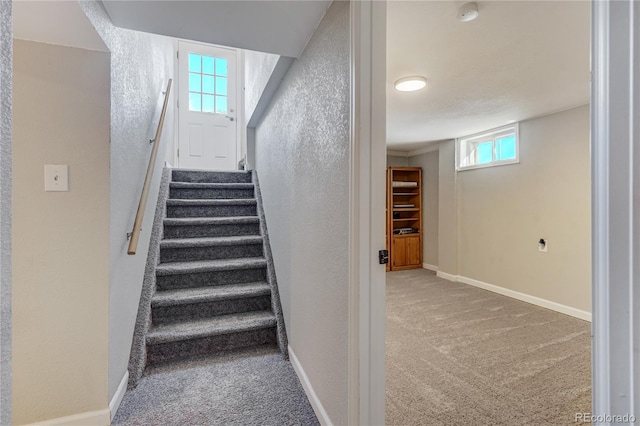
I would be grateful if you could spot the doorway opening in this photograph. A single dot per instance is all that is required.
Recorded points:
(208, 85)
(497, 312)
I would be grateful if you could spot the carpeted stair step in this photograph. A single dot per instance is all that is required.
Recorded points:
(190, 249)
(176, 275)
(180, 305)
(211, 227)
(183, 175)
(204, 336)
(211, 208)
(197, 190)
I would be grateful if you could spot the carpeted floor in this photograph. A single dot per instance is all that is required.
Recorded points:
(460, 355)
(253, 387)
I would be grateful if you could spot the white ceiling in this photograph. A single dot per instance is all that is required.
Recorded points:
(517, 60)
(280, 27)
(55, 22)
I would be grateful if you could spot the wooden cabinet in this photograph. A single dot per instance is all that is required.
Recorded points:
(404, 217)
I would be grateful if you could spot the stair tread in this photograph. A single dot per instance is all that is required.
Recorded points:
(210, 241)
(212, 185)
(223, 324)
(187, 221)
(210, 294)
(211, 202)
(173, 268)
(226, 172)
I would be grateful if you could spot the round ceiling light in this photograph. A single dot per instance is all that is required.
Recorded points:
(410, 84)
(468, 12)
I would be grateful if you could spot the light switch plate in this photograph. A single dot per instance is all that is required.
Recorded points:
(56, 177)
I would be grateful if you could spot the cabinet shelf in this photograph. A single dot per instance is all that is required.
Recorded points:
(413, 234)
(405, 250)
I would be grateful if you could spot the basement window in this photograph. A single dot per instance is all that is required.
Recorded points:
(495, 147)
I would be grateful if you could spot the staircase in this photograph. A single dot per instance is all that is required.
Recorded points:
(212, 290)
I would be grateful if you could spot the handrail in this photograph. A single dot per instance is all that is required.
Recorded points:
(137, 224)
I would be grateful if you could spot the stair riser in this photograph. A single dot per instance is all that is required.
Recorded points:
(171, 314)
(206, 279)
(195, 231)
(211, 211)
(196, 347)
(210, 193)
(210, 253)
(210, 177)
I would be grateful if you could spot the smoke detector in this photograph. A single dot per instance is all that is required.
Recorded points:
(468, 12)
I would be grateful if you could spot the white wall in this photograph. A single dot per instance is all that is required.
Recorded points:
(430, 164)
(141, 65)
(447, 209)
(61, 239)
(397, 161)
(492, 218)
(6, 59)
(302, 159)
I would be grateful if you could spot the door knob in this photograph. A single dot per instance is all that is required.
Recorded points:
(229, 117)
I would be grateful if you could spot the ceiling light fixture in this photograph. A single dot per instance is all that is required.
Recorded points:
(410, 84)
(468, 12)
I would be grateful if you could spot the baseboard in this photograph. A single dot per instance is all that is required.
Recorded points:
(563, 309)
(446, 276)
(117, 397)
(433, 268)
(90, 418)
(321, 413)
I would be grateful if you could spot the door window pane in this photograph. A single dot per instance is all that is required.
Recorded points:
(194, 62)
(195, 102)
(207, 84)
(221, 67)
(221, 104)
(221, 86)
(207, 65)
(194, 82)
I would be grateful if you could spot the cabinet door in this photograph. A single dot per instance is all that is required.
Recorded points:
(412, 246)
(399, 252)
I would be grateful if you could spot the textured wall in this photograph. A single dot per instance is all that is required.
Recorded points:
(141, 64)
(302, 159)
(504, 211)
(61, 245)
(397, 161)
(430, 163)
(258, 67)
(6, 59)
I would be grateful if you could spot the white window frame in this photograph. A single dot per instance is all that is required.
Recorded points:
(488, 136)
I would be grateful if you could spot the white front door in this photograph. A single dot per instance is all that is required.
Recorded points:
(207, 107)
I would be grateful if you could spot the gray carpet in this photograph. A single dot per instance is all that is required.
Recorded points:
(459, 355)
(253, 387)
(209, 285)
